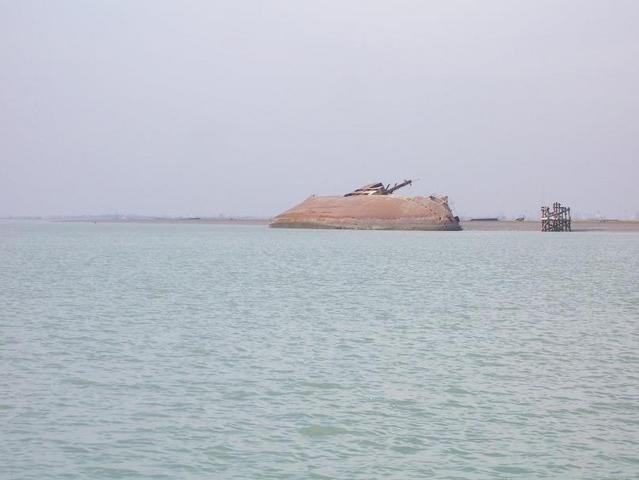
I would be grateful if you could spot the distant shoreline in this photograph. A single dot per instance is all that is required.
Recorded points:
(535, 226)
(501, 225)
(467, 225)
(168, 220)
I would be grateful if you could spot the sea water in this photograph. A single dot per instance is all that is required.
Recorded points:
(237, 352)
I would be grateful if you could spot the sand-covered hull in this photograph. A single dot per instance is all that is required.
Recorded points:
(370, 212)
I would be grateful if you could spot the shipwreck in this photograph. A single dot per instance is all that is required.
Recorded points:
(371, 207)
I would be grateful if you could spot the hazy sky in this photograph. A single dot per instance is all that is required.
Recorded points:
(246, 107)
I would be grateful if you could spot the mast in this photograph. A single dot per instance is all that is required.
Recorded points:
(397, 186)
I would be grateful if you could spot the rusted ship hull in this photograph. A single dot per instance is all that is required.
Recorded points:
(370, 212)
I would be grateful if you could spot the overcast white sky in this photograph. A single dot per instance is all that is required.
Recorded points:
(246, 107)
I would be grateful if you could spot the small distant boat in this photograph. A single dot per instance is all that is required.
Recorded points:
(520, 219)
(485, 219)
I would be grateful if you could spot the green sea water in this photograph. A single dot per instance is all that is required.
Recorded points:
(237, 352)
